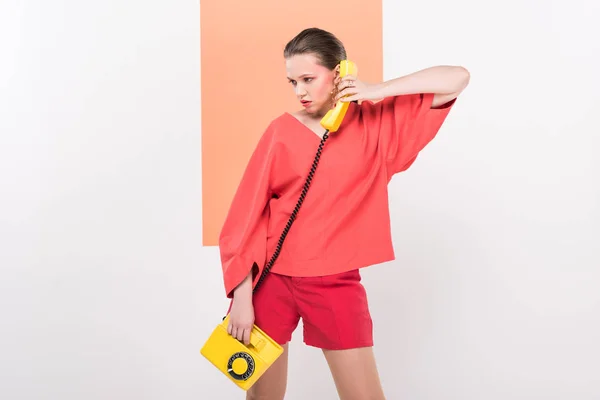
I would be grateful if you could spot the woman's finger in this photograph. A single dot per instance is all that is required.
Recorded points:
(349, 84)
(341, 94)
(346, 92)
(345, 84)
(240, 334)
(349, 99)
(246, 336)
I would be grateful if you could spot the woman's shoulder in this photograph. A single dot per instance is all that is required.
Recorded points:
(276, 130)
(283, 120)
(280, 126)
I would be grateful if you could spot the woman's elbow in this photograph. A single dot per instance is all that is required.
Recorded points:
(463, 77)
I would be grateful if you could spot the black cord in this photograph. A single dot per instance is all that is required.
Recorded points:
(309, 179)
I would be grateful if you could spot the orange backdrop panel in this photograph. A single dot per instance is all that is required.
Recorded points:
(243, 78)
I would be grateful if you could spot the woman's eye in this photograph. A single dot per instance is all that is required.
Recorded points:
(307, 80)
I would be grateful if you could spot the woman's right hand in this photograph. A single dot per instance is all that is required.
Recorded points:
(241, 315)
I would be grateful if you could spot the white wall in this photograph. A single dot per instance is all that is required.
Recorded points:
(106, 291)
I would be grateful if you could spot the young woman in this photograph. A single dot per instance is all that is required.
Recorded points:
(343, 224)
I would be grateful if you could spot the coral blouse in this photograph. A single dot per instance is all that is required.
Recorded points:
(344, 222)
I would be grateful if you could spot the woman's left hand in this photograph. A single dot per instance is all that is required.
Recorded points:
(355, 89)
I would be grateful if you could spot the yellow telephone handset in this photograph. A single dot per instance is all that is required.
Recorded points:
(333, 119)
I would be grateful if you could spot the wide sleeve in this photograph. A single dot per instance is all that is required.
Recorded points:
(243, 237)
(404, 125)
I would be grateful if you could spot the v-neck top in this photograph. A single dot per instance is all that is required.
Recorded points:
(344, 221)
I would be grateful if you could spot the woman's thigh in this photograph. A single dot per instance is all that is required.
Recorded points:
(355, 373)
(272, 384)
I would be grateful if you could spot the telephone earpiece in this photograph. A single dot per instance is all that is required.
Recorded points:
(333, 119)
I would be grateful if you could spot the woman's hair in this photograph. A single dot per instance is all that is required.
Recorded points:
(328, 49)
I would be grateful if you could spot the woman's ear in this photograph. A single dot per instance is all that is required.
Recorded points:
(336, 75)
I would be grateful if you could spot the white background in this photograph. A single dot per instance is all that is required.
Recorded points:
(107, 293)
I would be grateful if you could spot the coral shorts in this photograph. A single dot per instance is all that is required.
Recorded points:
(334, 310)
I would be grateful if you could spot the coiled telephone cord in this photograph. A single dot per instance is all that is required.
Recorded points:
(309, 179)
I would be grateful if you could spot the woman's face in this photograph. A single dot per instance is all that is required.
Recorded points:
(312, 83)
